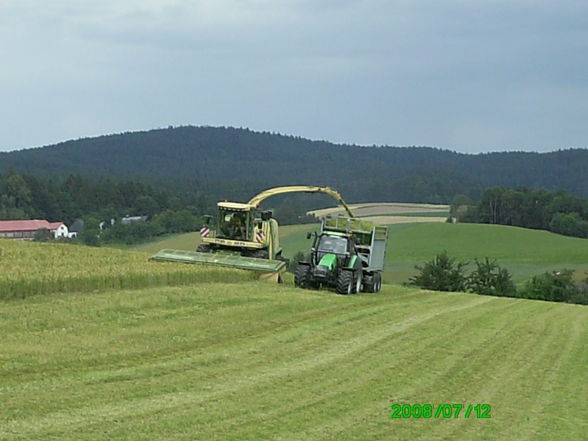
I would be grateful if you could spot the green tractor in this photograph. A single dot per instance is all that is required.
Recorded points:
(347, 254)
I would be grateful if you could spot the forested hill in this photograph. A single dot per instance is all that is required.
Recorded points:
(235, 163)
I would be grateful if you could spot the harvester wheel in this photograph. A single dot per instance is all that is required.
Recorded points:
(260, 254)
(345, 282)
(302, 277)
(204, 248)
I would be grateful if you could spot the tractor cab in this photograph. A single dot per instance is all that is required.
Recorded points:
(335, 244)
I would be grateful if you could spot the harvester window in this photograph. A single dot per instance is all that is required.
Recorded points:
(234, 225)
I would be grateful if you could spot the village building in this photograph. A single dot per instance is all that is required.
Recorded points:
(26, 229)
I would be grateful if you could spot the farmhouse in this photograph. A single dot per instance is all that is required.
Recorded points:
(25, 229)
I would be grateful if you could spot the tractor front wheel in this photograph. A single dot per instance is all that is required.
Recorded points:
(345, 283)
(302, 277)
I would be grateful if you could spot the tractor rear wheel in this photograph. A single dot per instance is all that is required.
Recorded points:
(378, 285)
(357, 283)
(302, 277)
(345, 282)
(374, 284)
(204, 248)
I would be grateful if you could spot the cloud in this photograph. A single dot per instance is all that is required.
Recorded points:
(469, 75)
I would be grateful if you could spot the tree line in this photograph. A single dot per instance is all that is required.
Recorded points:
(556, 211)
(24, 196)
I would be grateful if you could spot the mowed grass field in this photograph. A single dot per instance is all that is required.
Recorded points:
(256, 361)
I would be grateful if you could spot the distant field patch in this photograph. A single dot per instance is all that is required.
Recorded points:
(398, 219)
(384, 208)
(183, 241)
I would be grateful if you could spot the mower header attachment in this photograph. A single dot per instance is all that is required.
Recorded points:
(222, 259)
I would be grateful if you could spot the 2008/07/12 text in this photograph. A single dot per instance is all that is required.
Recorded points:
(454, 410)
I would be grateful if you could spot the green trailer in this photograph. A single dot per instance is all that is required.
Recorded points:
(348, 254)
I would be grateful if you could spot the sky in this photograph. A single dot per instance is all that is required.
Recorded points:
(466, 75)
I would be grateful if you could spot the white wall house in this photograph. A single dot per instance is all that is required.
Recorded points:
(59, 229)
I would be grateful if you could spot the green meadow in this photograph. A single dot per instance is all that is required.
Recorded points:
(255, 361)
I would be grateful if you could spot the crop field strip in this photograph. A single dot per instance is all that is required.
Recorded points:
(393, 219)
(28, 268)
(388, 208)
(214, 362)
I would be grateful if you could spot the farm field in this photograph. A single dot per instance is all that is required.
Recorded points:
(28, 268)
(269, 362)
(386, 209)
(392, 212)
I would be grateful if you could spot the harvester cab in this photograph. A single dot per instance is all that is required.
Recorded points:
(242, 229)
(348, 254)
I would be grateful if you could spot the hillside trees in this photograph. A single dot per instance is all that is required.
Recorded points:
(557, 211)
(235, 163)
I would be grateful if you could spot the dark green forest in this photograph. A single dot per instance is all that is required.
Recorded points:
(231, 163)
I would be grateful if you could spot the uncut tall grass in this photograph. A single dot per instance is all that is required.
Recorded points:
(28, 268)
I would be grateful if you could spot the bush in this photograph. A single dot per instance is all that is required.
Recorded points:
(130, 233)
(555, 286)
(581, 294)
(442, 273)
(42, 235)
(490, 279)
(91, 237)
(179, 221)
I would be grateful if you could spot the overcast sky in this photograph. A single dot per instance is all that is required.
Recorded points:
(469, 75)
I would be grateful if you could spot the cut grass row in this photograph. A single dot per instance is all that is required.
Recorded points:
(28, 268)
(267, 362)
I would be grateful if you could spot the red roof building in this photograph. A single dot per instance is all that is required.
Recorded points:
(25, 229)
